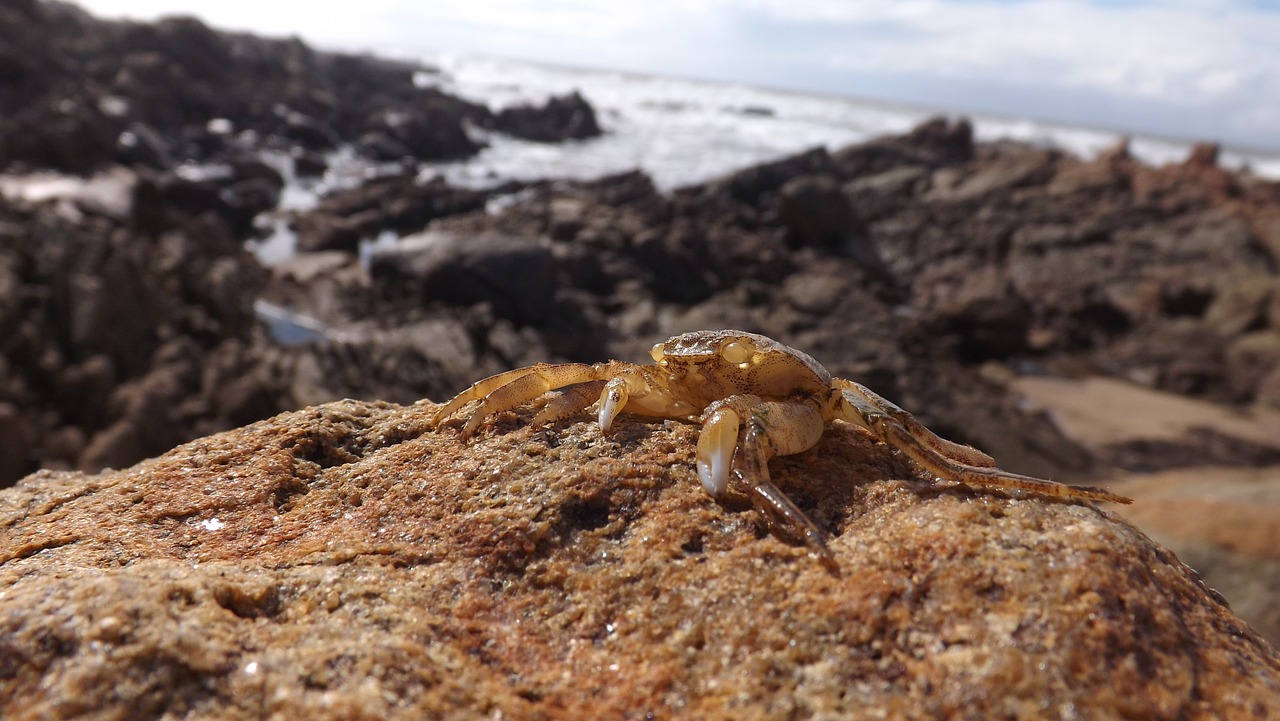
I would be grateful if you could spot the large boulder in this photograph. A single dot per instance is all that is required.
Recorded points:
(345, 561)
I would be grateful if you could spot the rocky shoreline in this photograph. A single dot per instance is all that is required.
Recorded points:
(126, 303)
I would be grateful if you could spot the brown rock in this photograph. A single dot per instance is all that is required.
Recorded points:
(816, 213)
(345, 562)
(1250, 359)
(1244, 306)
(1224, 522)
(1268, 394)
(14, 442)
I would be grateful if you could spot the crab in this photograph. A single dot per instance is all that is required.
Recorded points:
(756, 398)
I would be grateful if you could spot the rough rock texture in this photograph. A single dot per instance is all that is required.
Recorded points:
(117, 343)
(1225, 522)
(127, 302)
(344, 562)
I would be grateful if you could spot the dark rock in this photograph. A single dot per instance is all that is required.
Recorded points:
(984, 328)
(307, 164)
(428, 130)
(564, 117)
(236, 193)
(818, 214)
(676, 271)
(1182, 355)
(310, 134)
(517, 275)
(15, 444)
(749, 184)
(1000, 175)
(81, 92)
(933, 144)
(89, 307)
(141, 145)
(1203, 155)
(398, 203)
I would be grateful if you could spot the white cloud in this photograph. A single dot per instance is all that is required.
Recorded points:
(1167, 51)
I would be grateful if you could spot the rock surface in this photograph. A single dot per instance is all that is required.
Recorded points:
(344, 562)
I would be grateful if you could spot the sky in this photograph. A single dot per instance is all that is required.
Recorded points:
(1183, 69)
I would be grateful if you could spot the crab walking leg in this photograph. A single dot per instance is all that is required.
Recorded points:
(967, 455)
(743, 433)
(862, 412)
(569, 403)
(485, 386)
(508, 390)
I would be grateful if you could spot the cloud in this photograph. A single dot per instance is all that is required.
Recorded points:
(1112, 62)
(1166, 50)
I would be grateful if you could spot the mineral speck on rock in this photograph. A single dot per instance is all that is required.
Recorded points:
(343, 561)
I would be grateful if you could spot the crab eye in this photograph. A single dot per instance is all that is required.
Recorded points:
(735, 353)
(656, 352)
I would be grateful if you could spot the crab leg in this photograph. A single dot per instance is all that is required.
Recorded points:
(900, 435)
(507, 390)
(569, 403)
(967, 455)
(742, 433)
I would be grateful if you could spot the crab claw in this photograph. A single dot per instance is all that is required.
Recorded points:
(716, 445)
(612, 400)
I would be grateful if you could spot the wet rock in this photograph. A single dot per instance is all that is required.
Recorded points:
(428, 130)
(564, 117)
(235, 192)
(346, 561)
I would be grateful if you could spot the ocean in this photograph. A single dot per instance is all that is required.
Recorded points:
(683, 132)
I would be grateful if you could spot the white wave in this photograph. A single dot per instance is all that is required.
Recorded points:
(683, 131)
